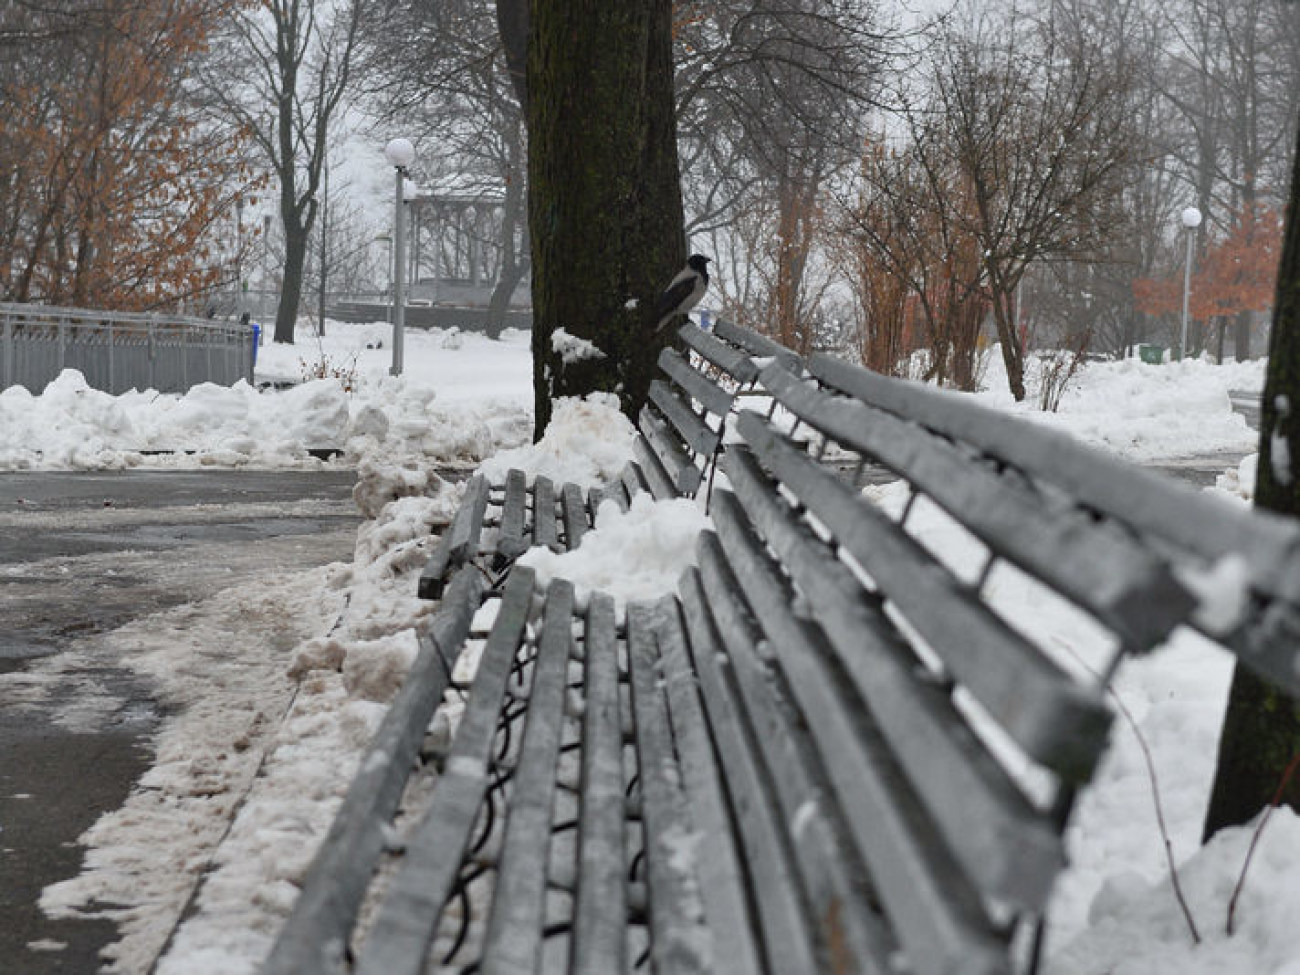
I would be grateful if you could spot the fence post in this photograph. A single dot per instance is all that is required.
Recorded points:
(112, 386)
(9, 351)
(153, 382)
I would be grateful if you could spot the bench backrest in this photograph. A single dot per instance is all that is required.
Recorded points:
(683, 424)
(839, 656)
(1240, 565)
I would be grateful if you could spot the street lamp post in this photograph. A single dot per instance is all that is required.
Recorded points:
(1191, 218)
(399, 153)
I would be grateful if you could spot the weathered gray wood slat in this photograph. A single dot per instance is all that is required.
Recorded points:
(633, 480)
(616, 491)
(677, 464)
(678, 939)
(731, 361)
(1011, 849)
(515, 924)
(767, 855)
(514, 541)
(710, 395)
(652, 470)
(407, 919)
(574, 509)
(1058, 721)
(1110, 575)
(315, 934)
(1151, 505)
(545, 527)
(721, 877)
(936, 913)
(459, 540)
(695, 433)
(600, 914)
(832, 876)
(755, 343)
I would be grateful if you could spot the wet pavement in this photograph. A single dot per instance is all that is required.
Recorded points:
(80, 555)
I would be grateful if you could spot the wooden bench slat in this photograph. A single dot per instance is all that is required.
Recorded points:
(850, 928)
(1057, 721)
(408, 917)
(515, 924)
(711, 396)
(545, 528)
(1112, 576)
(652, 471)
(755, 343)
(633, 480)
(459, 540)
(336, 882)
(678, 940)
(768, 856)
(725, 357)
(938, 916)
(695, 433)
(574, 510)
(677, 464)
(600, 914)
(721, 877)
(514, 542)
(1149, 504)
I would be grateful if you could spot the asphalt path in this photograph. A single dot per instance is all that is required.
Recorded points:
(80, 555)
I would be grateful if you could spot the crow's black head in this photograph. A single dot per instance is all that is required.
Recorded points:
(699, 262)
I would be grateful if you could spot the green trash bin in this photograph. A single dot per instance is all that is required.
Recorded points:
(1151, 354)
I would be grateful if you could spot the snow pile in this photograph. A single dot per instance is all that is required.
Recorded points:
(1145, 412)
(588, 442)
(1136, 928)
(633, 555)
(1239, 481)
(571, 348)
(448, 407)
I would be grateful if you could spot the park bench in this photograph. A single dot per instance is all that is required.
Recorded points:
(828, 750)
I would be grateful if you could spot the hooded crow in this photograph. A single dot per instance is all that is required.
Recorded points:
(684, 291)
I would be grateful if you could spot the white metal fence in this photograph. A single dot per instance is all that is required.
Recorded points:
(117, 351)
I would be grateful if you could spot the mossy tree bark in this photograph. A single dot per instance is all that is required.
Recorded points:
(1261, 730)
(605, 206)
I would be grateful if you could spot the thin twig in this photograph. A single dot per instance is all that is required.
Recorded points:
(1254, 840)
(1160, 814)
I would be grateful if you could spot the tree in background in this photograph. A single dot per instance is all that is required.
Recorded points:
(1236, 277)
(907, 232)
(281, 70)
(773, 101)
(112, 191)
(1261, 729)
(442, 69)
(605, 204)
(1034, 116)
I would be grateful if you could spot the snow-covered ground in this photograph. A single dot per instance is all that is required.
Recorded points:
(244, 808)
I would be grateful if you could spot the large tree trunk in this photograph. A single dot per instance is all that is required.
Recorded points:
(1261, 730)
(605, 202)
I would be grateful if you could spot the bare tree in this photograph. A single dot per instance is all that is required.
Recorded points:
(442, 68)
(1035, 119)
(282, 71)
(773, 99)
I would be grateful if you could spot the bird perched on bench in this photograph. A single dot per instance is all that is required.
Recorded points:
(684, 291)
